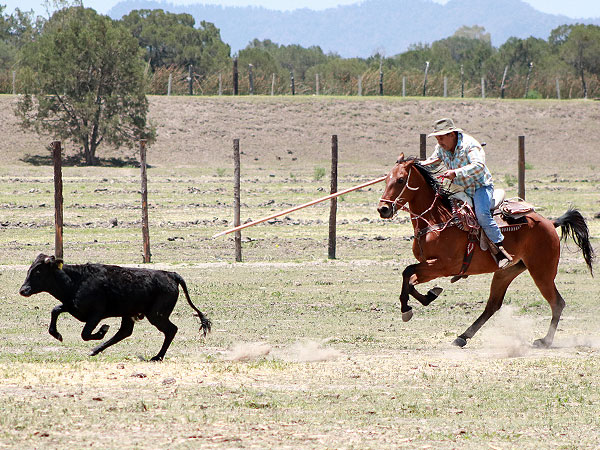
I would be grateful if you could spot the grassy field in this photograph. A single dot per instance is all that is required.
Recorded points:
(305, 352)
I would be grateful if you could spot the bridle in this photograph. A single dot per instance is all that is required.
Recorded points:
(413, 216)
(394, 202)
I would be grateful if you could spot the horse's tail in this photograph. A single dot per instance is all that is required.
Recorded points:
(573, 223)
(205, 323)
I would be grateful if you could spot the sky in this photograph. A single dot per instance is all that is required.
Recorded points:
(582, 9)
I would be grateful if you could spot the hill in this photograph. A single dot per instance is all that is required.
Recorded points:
(293, 134)
(385, 26)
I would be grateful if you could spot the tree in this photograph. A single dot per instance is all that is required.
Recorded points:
(582, 50)
(83, 81)
(294, 58)
(16, 30)
(171, 39)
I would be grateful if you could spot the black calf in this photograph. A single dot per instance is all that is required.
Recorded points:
(92, 292)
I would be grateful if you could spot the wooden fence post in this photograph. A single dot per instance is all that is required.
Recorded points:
(503, 85)
(235, 76)
(191, 79)
(236, 199)
(423, 146)
(317, 83)
(482, 87)
(557, 89)
(521, 165)
(292, 83)
(58, 199)
(220, 83)
(527, 79)
(250, 79)
(380, 78)
(273, 85)
(170, 84)
(425, 80)
(445, 86)
(14, 83)
(333, 204)
(360, 85)
(403, 86)
(145, 226)
(462, 81)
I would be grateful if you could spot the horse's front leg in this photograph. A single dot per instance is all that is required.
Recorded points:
(412, 275)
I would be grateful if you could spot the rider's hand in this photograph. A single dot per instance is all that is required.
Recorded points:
(449, 174)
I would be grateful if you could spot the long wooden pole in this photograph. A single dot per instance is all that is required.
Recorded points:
(296, 208)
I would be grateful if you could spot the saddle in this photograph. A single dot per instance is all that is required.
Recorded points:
(509, 214)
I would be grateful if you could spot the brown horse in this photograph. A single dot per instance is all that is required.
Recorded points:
(440, 249)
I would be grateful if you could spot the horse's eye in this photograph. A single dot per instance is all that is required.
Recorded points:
(400, 181)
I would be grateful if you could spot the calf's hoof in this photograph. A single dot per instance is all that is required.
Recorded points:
(459, 342)
(407, 315)
(102, 331)
(57, 336)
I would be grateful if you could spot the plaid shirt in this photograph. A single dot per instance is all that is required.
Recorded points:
(467, 160)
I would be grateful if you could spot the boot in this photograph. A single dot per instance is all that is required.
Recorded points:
(501, 256)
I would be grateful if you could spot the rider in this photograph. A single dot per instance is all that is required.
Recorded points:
(464, 159)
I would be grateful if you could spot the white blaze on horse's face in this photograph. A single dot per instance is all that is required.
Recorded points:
(395, 184)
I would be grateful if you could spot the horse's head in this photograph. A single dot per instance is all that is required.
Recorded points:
(398, 189)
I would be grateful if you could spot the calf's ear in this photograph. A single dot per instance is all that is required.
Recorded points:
(54, 261)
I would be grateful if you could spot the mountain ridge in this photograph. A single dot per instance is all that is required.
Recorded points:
(388, 27)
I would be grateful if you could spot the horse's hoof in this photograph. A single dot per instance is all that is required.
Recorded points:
(540, 343)
(435, 292)
(406, 316)
(459, 342)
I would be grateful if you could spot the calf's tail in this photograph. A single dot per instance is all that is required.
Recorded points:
(572, 223)
(205, 323)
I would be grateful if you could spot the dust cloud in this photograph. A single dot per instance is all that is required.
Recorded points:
(301, 351)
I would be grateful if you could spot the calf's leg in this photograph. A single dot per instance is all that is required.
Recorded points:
(56, 311)
(123, 332)
(159, 317)
(89, 326)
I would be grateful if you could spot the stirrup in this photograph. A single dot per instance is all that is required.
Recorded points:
(503, 259)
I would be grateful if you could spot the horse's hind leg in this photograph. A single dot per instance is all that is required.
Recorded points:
(545, 284)
(500, 283)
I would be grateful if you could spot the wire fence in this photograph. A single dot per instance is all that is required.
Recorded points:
(177, 81)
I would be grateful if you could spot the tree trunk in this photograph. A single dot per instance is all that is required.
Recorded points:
(89, 152)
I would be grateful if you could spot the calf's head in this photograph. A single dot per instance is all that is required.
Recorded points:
(41, 275)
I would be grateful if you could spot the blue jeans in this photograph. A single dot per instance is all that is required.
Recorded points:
(482, 201)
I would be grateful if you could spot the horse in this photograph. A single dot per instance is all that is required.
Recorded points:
(440, 246)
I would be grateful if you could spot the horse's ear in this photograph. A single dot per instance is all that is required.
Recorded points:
(401, 157)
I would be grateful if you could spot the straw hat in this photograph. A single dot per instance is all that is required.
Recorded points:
(443, 126)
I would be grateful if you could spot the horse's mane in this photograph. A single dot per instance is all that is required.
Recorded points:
(430, 177)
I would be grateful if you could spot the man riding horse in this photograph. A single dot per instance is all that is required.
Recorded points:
(464, 160)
